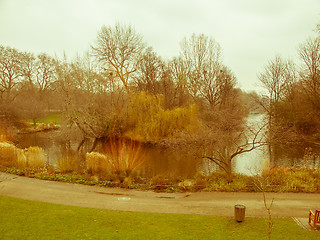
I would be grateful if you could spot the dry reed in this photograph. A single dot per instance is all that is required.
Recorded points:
(68, 163)
(97, 163)
(8, 154)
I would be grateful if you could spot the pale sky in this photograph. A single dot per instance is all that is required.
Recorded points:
(250, 32)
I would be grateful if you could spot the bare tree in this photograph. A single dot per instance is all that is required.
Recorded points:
(228, 146)
(28, 65)
(93, 105)
(205, 71)
(45, 74)
(149, 72)
(10, 72)
(179, 71)
(119, 49)
(278, 79)
(310, 55)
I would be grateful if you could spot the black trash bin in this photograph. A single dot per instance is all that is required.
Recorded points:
(239, 212)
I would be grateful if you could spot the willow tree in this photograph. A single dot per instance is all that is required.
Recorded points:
(149, 121)
(119, 49)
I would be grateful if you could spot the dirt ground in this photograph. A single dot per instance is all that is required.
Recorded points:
(205, 203)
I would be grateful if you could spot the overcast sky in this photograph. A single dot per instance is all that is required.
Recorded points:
(250, 32)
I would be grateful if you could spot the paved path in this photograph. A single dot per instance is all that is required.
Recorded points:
(206, 203)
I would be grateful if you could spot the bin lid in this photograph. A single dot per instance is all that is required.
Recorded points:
(239, 206)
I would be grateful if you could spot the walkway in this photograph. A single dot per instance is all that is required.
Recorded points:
(206, 203)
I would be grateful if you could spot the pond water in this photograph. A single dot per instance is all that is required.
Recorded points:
(159, 161)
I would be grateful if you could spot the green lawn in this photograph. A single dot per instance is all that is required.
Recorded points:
(52, 117)
(21, 219)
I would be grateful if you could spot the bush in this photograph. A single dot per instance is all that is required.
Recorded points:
(8, 154)
(33, 158)
(21, 159)
(68, 164)
(97, 163)
(36, 158)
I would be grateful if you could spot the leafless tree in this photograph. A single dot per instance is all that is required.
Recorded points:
(119, 49)
(230, 144)
(10, 72)
(310, 55)
(278, 79)
(206, 74)
(179, 73)
(149, 72)
(92, 104)
(45, 72)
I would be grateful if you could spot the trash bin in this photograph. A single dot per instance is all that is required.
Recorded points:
(239, 212)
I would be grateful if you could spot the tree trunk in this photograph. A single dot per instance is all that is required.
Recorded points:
(229, 173)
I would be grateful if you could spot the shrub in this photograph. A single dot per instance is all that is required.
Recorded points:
(7, 154)
(68, 163)
(35, 157)
(97, 163)
(21, 160)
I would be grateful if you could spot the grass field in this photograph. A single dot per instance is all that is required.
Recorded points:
(52, 117)
(21, 219)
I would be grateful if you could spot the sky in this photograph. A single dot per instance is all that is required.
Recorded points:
(250, 32)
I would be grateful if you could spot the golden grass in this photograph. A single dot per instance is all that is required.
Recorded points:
(33, 157)
(8, 154)
(36, 157)
(68, 163)
(21, 160)
(97, 163)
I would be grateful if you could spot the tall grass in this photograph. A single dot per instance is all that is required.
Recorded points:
(97, 163)
(33, 157)
(8, 154)
(69, 163)
(36, 157)
(21, 159)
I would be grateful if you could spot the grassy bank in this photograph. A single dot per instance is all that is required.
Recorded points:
(21, 219)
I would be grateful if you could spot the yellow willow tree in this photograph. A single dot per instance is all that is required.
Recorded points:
(150, 121)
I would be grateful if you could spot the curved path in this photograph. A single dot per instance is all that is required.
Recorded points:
(206, 203)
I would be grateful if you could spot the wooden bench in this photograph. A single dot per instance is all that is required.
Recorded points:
(314, 218)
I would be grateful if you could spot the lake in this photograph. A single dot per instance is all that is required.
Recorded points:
(160, 161)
